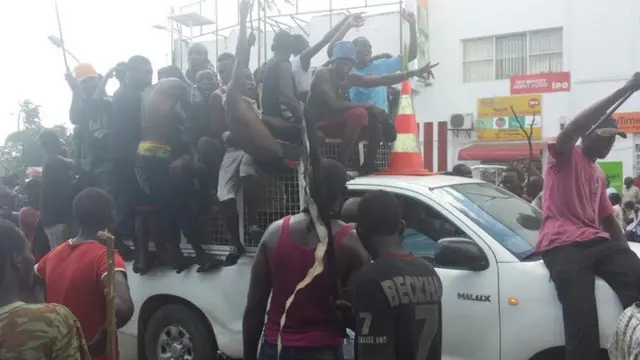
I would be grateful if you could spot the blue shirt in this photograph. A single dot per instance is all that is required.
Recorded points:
(376, 96)
(419, 244)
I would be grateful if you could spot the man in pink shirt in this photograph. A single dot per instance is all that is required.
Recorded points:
(580, 237)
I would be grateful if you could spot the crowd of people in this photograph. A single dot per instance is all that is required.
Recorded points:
(151, 161)
(169, 152)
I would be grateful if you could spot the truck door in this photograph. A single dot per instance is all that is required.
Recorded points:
(471, 321)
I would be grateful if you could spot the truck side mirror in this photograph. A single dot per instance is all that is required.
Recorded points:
(461, 253)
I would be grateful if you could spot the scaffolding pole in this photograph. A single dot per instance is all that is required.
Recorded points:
(215, 14)
(264, 13)
(258, 35)
(400, 9)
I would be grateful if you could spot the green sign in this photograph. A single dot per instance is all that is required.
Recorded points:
(613, 172)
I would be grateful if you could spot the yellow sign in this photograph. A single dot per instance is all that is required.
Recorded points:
(495, 120)
(507, 134)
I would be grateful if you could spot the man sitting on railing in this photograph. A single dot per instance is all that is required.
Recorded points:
(349, 121)
(248, 132)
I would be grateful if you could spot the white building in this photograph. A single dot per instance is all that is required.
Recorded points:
(480, 45)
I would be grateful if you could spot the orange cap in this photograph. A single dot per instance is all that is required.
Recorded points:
(84, 70)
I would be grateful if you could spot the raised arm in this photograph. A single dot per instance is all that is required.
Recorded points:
(410, 18)
(242, 53)
(101, 90)
(310, 52)
(388, 80)
(580, 124)
(353, 21)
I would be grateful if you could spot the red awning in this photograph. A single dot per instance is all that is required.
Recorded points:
(499, 152)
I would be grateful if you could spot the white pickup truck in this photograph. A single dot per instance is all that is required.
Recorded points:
(498, 301)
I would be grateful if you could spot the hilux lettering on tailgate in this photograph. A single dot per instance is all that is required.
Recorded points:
(474, 297)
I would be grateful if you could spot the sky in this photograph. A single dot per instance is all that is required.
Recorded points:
(100, 32)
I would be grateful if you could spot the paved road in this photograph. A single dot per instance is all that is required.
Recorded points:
(127, 344)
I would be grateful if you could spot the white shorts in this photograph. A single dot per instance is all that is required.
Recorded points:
(236, 164)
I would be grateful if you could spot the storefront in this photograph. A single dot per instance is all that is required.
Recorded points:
(508, 130)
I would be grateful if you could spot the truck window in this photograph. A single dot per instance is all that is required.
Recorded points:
(424, 227)
(511, 221)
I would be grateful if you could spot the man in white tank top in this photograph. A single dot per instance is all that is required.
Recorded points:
(303, 53)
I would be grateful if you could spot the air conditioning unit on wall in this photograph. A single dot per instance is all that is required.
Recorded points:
(461, 122)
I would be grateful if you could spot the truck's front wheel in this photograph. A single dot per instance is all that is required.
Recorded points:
(177, 333)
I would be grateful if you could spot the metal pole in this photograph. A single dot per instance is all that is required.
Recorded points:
(215, 4)
(610, 112)
(401, 23)
(200, 6)
(259, 37)
(330, 14)
(264, 13)
(172, 46)
(64, 52)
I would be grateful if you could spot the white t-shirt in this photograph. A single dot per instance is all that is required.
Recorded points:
(303, 78)
(630, 194)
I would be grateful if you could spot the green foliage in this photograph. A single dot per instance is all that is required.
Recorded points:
(22, 148)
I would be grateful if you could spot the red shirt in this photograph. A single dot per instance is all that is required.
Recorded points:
(574, 200)
(74, 274)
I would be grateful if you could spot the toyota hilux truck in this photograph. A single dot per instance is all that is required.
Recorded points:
(498, 300)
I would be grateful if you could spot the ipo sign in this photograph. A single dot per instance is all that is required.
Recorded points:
(540, 83)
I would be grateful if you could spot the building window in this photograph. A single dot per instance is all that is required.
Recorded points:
(500, 57)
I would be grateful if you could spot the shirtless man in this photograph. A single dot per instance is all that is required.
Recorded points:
(249, 143)
(163, 141)
(347, 120)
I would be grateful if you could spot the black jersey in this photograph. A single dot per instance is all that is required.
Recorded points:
(399, 310)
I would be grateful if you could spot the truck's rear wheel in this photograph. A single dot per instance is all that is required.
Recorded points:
(175, 333)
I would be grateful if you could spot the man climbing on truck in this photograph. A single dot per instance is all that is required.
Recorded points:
(580, 237)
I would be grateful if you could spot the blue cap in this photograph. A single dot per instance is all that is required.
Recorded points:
(343, 50)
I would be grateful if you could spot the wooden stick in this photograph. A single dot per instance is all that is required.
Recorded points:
(64, 50)
(610, 112)
(110, 293)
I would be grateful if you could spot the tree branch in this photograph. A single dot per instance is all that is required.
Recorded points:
(528, 135)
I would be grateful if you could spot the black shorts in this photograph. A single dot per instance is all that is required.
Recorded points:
(154, 184)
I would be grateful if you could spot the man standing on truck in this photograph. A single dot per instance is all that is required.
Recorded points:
(392, 323)
(124, 135)
(160, 168)
(574, 246)
(284, 256)
(75, 272)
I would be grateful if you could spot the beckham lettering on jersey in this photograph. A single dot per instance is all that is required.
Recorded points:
(414, 289)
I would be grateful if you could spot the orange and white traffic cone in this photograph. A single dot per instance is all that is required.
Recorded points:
(405, 157)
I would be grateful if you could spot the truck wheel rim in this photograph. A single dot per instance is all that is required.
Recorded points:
(174, 343)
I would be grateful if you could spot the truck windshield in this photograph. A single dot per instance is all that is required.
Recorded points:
(513, 222)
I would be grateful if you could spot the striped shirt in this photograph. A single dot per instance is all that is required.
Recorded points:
(625, 341)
